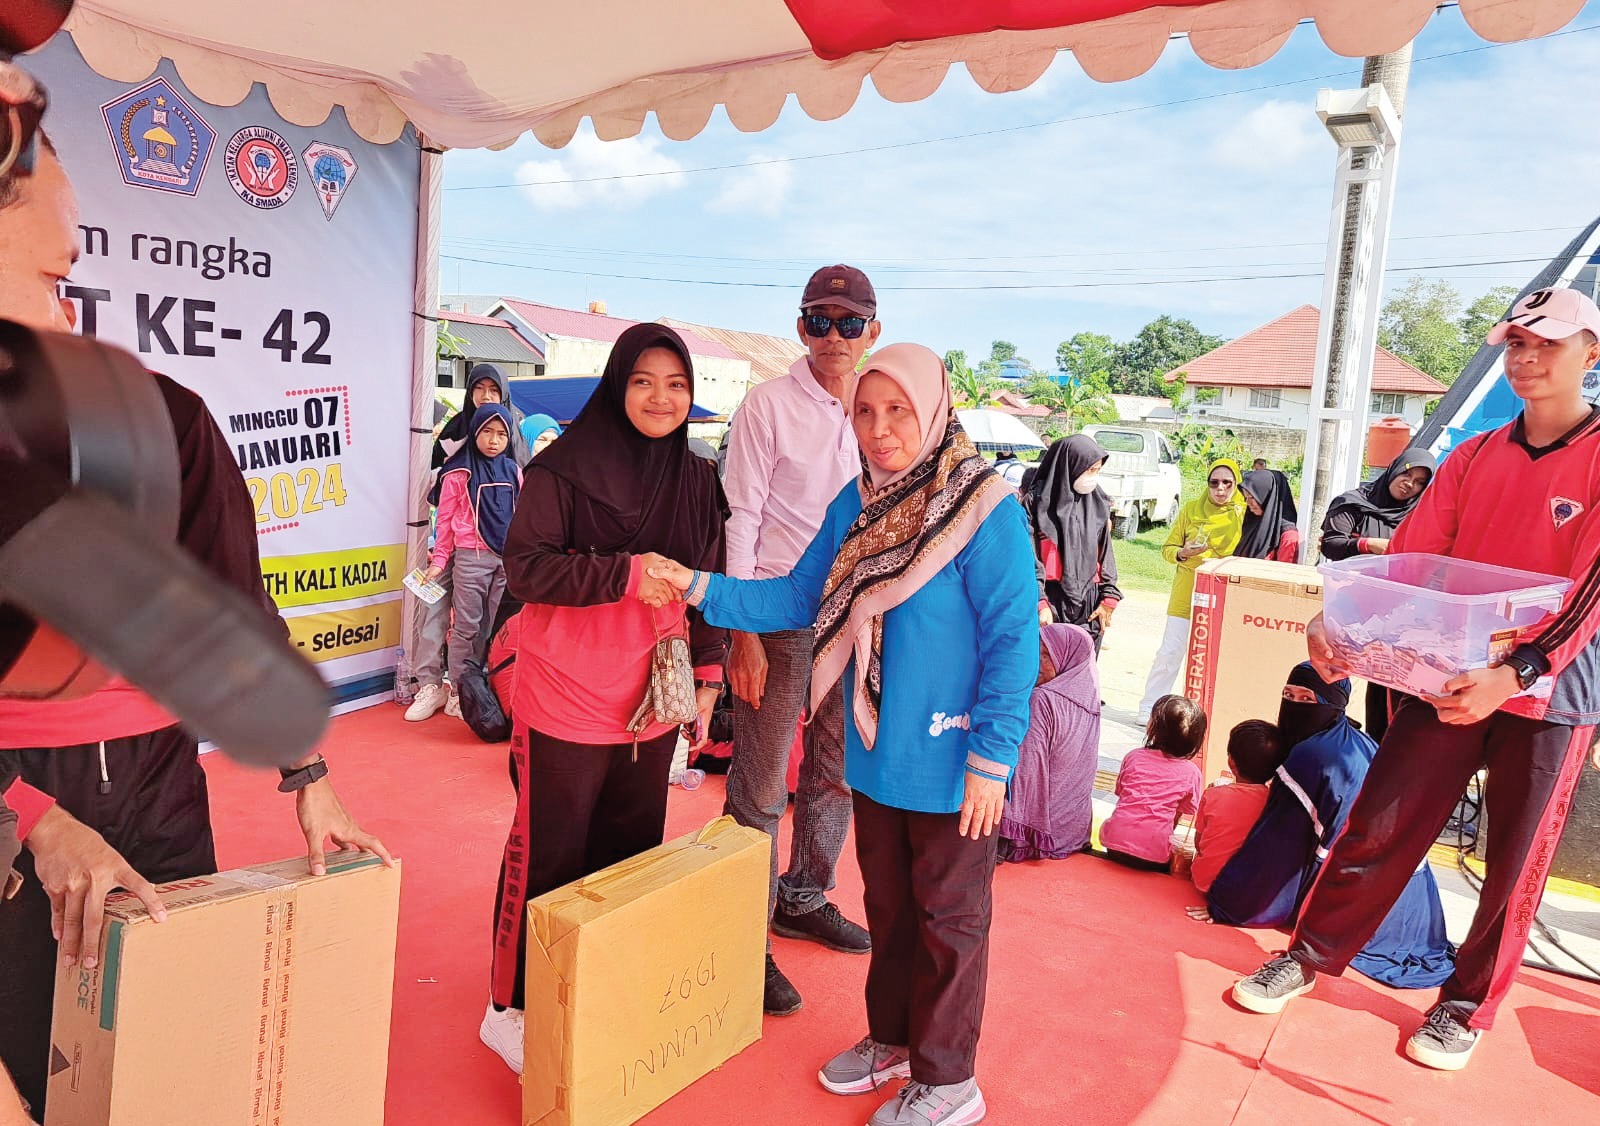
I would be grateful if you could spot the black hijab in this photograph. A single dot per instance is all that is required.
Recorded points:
(1077, 524)
(1263, 533)
(634, 493)
(1377, 513)
(1298, 722)
(454, 434)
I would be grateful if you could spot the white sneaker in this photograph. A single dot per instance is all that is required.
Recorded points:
(501, 1030)
(452, 706)
(430, 698)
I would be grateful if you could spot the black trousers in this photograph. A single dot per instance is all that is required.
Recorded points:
(1420, 772)
(152, 807)
(580, 808)
(929, 899)
(1070, 612)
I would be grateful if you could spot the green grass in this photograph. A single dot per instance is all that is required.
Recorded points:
(1139, 562)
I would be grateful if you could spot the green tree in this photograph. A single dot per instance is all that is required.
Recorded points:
(1426, 325)
(1164, 344)
(1045, 392)
(447, 345)
(1482, 315)
(1002, 350)
(974, 388)
(1084, 401)
(955, 362)
(1420, 324)
(1086, 355)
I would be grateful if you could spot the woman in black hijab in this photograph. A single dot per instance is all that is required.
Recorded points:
(1361, 522)
(619, 485)
(1072, 532)
(1269, 525)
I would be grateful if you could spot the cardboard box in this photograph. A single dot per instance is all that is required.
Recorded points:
(1248, 629)
(644, 977)
(263, 1000)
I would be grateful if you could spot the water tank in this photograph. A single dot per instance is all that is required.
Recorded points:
(1387, 440)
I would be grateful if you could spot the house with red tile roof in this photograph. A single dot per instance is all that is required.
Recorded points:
(1264, 377)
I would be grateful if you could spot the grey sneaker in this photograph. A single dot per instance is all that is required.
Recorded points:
(922, 1104)
(1274, 985)
(864, 1068)
(1444, 1042)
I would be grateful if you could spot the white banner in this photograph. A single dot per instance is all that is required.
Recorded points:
(269, 268)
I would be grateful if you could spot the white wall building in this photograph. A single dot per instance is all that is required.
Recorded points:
(1264, 377)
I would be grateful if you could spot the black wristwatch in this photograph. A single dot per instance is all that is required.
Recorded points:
(717, 684)
(299, 779)
(1527, 674)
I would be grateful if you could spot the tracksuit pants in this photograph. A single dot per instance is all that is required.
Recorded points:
(478, 582)
(929, 900)
(1411, 789)
(580, 808)
(758, 792)
(147, 797)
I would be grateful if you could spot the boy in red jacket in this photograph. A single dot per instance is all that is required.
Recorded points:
(1526, 496)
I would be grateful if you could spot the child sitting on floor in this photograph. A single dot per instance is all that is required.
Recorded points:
(1228, 811)
(1158, 784)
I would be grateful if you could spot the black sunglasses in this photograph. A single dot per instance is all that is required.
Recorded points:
(850, 327)
(1219, 482)
(19, 128)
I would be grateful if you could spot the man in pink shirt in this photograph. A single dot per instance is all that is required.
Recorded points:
(790, 452)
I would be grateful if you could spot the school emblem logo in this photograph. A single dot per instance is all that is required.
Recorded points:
(261, 167)
(161, 142)
(331, 169)
(1562, 510)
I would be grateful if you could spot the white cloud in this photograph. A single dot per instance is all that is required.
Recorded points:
(762, 190)
(615, 173)
(1273, 134)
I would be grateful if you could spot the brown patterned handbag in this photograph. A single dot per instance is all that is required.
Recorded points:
(669, 695)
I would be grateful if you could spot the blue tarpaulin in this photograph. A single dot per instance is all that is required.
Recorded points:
(563, 398)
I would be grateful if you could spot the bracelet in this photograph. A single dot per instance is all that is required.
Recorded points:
(296, 780)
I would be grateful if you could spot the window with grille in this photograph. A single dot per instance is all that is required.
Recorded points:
(1265, 398)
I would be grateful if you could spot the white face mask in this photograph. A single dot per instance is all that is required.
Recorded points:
(1086, 482)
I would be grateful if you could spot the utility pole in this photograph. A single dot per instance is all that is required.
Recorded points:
(1366, 125)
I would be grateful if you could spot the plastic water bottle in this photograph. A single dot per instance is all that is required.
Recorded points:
(405, 688)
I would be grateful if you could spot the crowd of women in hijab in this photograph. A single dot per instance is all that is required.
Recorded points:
(574, 553)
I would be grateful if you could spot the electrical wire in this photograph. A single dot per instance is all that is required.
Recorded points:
(1467, 817)
(998, 287)
(997, 131)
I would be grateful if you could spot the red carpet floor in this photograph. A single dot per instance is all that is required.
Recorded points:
(1106, 1004)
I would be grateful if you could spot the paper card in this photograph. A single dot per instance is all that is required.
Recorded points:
(424, 588)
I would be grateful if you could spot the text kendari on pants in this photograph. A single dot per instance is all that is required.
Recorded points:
(1411, 789)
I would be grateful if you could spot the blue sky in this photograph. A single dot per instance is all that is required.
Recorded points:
(1158, 182)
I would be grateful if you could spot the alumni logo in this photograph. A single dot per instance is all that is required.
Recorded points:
(331, 169)
(161, 142)
(1562, 510)
(261, 167)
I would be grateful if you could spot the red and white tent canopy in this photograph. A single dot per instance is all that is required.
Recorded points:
(484, 72)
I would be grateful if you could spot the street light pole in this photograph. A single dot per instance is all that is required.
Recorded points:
(1366, 126)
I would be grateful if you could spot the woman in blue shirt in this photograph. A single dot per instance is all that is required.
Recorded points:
(921, 586)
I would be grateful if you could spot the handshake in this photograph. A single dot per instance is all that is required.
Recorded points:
(664, 581)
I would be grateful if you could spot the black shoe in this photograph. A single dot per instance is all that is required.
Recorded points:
(1445, 1040)
(825, 925)
(779, 998)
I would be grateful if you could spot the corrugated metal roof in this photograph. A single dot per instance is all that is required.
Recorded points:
(1283, 353)
(548, 320)
(489, 339)
(769, 356)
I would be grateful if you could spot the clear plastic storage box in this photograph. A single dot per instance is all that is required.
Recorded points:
(1415, 621)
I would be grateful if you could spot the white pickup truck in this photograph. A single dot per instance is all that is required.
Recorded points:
(1141, 477)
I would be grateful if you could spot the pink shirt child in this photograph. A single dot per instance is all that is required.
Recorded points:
(1227, 814)
(1153, 791)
